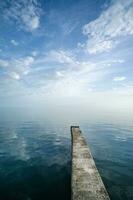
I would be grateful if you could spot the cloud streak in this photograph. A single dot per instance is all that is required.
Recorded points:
(25, 13)
(108, 29)
(14, 42)
(63, 73)
(16, 68)
(119, 78)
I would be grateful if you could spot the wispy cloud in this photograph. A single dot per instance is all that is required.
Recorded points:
(71, 75)
(109, 28)
(60, 56)
(16, 68)
(69, 27)
(119, 78)
(25, 13)
(60, 72)
(14, 75)
(14, 42)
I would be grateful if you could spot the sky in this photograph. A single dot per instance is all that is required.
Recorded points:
(74, 52)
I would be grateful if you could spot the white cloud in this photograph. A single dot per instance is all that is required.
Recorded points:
(31, 22)
(26, 61)
(25, 13)
(60, 56)
(14, 42)
(119, 78)
(118, 61)
(65, 61)
(61, 71)
(16, 68)
(14, 75)
(94, 46)
(114, 23)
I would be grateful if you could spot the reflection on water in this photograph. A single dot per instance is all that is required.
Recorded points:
(35, 159)
(34, 162)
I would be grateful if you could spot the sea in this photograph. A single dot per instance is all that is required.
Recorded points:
(35, 156)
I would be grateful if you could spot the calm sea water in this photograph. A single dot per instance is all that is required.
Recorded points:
(35, 158)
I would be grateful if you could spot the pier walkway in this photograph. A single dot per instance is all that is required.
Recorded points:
(86, 181)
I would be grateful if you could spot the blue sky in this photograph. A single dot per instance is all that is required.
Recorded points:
(73, 48)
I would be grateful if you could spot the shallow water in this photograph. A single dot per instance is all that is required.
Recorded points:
(35, 158)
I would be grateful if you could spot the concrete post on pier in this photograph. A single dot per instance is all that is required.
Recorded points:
(86, 181)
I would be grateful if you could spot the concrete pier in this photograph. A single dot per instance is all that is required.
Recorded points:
(86, 183)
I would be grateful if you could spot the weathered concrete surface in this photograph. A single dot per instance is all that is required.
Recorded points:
(86, 182)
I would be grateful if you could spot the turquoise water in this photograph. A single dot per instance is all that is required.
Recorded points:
(35, 158)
